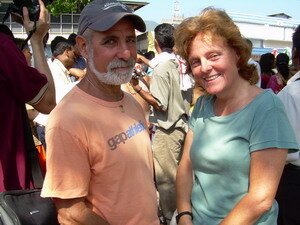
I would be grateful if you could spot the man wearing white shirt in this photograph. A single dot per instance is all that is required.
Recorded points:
(288, 194)
(64, 57)
(171, 106)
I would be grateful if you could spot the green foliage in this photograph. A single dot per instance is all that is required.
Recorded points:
(66, 6)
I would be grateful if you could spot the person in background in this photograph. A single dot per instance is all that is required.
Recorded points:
(267, 64)
(99, 158)
(55, 41)
(256, 64)
(63, 58)
(171, 107)
(149, 56)
(279, 80)
(288, 195)
(231, 165)
(26, 50)
(143, 78)
(295, 58)
(20, 84)
(80, 62)
(78, 69)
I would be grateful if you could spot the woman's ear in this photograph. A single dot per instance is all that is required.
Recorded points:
(82, 46)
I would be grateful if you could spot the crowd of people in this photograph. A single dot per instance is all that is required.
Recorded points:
(196, 133)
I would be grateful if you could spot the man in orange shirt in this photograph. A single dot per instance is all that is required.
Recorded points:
(99, 158)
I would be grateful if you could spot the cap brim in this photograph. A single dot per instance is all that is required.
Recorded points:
(103, 24)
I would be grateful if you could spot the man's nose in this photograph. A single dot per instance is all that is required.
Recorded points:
(124, 52)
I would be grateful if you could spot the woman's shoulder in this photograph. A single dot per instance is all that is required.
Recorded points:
(267, 100)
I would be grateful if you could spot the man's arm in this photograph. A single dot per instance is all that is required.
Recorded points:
(147, 96)
(143, 59)
(79, 73)
(47, 103)
(75, 212)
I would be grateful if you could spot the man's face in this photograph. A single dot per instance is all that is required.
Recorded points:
(112, 54)
(70, 57)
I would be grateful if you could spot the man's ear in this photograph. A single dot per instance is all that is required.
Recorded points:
(82, 46)
(156, 46)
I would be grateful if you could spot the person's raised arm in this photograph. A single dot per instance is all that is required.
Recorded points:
(147, 96)
(47, 103)
(265, 171)
(75, 212)
(143, 59)
(184, 182)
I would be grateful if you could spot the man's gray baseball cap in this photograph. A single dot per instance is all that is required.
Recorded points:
(101, 15)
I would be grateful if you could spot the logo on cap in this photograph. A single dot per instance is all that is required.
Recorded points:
(115, 4)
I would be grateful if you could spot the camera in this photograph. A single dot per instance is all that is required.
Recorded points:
(138, 72)
(32, 5)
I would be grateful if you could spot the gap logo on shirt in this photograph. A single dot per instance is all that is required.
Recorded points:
(122, 137)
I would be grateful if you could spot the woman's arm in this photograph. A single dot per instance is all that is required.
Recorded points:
(184, 181)
(265, 171)
(75, 212)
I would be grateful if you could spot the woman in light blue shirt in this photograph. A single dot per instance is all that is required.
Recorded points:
(239, 134)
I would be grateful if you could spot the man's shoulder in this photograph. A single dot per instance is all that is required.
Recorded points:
(292, 88)
(294, 77)
(167, 65)
(57, 64)
(160, 58)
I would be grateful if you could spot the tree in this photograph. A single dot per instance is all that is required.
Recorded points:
(66, 6)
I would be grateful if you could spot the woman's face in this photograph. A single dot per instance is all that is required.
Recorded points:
(213, 64)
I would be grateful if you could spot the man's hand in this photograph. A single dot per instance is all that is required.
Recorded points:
(42, 25)
(135, 84)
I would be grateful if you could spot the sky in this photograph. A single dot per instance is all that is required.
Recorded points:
(157, 10)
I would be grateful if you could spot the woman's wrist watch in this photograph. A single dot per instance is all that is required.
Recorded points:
(182, 214)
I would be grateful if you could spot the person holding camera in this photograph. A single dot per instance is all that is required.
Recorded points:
(171, 106)
(20, 84)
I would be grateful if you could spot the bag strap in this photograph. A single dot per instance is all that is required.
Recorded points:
(297, 79)
(31, 151)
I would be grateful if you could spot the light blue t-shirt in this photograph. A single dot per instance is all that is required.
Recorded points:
(220, 153)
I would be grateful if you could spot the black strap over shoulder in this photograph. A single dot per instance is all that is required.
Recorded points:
(297, 79)
(32, 153)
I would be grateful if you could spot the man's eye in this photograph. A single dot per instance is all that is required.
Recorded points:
(131, 40)
(109, 42)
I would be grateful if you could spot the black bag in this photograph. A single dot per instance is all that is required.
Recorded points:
(26, 207)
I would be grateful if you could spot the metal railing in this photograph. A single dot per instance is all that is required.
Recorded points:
(63, 25)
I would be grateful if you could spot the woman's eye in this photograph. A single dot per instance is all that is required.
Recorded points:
(214, 56)
(195, 63)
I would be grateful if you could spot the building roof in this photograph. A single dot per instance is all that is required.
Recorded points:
(280, 15)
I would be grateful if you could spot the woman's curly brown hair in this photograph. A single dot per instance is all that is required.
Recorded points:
(217, 24)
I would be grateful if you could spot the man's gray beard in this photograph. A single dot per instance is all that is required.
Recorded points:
(112, 78)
